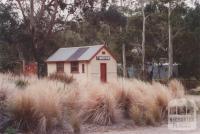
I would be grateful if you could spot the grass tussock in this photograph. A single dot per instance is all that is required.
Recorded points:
(46, 104)
(138, 104)
(72, 107)
(99, 107)
(62, 77)
(22, 110)
(38, 110)
(177, 88)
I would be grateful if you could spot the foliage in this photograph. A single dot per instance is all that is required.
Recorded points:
(33, 37)
(10, 130)
(8, 31)
(20, 83)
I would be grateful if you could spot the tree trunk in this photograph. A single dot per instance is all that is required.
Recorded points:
(124, 59)
(143, 42)
(32, 15)
(123, 51)
(170, 49)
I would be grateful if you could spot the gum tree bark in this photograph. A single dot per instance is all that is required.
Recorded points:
(143, 41)
(170, 51)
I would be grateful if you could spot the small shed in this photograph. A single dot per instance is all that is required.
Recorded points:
(87, 62)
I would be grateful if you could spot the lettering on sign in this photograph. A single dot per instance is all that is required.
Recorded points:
(103, 57)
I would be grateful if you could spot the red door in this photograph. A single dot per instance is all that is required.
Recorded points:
(103, 71)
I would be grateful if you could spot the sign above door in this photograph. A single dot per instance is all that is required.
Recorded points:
(103, 58)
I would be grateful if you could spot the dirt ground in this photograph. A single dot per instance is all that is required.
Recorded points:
(163, 129)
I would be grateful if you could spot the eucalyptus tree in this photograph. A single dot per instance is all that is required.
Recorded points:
(171, 5)
(8, 30)
(41, 20)
(143, 4)
(139, 6)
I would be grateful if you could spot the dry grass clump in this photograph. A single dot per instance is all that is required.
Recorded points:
(61, 77)
(143, 102)
(37, 109)
(45, 104)
(22, 110)
(163, 96)
(140, 102)
(32, 111)
(177, 88)
(48, 106)
(99, 107)
(72, 106)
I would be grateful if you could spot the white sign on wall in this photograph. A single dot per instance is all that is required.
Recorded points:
(103, 58)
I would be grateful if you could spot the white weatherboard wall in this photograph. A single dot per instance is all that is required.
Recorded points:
(51, 68)
(94, 67)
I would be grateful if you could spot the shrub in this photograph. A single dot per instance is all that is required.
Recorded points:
(39, 110)
(177, 88)
(61, 77)
(48, 106)
(22, 110)
(45, 105)
(31, 111)
(72, 105)
(10, 130)
(99, 107)
(163, 96)
(140, 101)
(21, 83)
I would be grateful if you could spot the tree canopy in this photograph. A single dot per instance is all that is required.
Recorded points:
(32, 30)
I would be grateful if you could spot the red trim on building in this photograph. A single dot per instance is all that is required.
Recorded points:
(103, 47)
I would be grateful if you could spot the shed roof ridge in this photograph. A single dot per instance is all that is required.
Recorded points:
(80, 46)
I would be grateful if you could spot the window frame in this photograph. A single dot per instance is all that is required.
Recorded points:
(74, 67)
(60, 67)
(83, 68)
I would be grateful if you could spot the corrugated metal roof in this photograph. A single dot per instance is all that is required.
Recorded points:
(74, 53)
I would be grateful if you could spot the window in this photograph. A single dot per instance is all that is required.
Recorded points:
(74, 67)
(60, 67)
(83, 68)
(103, 52)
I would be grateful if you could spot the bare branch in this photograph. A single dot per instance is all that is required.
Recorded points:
(21, 9)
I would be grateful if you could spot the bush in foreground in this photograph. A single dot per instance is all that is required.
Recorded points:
(98, 106)
(45, 104)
